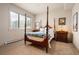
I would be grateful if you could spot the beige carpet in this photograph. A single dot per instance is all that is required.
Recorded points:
(58, 48)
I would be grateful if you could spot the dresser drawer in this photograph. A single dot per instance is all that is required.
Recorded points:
(61, 36)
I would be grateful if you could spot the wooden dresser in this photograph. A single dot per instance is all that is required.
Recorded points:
(61, 36)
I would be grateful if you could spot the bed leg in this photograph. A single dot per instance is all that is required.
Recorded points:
(46, 49)
(25, 42)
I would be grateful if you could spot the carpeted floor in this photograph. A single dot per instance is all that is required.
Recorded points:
(58, 48)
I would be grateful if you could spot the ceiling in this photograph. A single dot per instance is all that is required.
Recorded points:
(37, 8)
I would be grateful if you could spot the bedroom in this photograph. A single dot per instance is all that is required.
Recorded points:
(38, 14)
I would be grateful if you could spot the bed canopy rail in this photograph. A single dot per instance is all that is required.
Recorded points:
(44, 43)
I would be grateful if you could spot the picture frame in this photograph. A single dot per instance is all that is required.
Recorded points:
(62, 21)
(75, 22)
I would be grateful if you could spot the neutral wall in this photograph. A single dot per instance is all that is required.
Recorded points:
(6, 33)
(76, 34)
(56, 14)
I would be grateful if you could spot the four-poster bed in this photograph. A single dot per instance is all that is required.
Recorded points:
(41, 41)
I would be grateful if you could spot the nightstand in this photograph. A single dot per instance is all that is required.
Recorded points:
(61, 36)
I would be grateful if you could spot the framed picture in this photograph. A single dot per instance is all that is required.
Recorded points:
(62, 21)
(75, 22)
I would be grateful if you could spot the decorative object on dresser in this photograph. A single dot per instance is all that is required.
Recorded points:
(61, 36)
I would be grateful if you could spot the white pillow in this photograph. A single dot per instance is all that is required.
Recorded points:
(41, 29)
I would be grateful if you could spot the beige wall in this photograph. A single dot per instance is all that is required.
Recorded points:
(56, 15)
(6, 33)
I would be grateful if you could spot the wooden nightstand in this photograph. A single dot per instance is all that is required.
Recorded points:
(61, 36)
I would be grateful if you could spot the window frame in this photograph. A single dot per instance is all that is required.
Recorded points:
(11, 20)
(20, 20)
(30, 26)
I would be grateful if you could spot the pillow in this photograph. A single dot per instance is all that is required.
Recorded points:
(42, 29)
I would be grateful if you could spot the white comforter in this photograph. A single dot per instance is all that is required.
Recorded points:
(51, 33)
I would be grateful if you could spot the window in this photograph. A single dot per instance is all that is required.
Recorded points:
(22, 21)
(14, 20)
(18, 21)
(29, 22)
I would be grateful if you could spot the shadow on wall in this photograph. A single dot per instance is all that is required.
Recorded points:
(70, 37)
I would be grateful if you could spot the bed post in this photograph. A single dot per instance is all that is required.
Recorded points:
(47, 31)
(25, 36)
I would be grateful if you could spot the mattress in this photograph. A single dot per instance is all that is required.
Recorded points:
(35, 38)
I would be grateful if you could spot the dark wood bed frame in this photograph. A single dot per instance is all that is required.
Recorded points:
(44, 43)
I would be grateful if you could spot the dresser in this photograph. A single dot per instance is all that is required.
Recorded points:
(61, 36)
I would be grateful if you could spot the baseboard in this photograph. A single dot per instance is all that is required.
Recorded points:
(9, 42)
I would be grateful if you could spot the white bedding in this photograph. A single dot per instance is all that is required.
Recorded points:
(51, 33)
